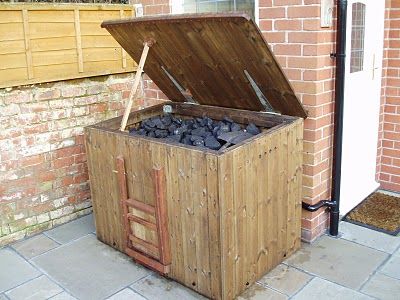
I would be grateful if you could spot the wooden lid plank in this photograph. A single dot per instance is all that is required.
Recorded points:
(207, 55)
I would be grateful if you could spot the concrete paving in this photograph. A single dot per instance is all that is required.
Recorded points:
(319, 288)
(36, 289)
(89, 269)
(72, 230)
(35, 246)
(14, 270)
(381, 286)
(337, 260)
(69, 263)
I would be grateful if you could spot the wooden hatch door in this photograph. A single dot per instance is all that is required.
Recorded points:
(153, 252)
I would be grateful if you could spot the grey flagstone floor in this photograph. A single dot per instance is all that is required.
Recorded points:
(68, 262)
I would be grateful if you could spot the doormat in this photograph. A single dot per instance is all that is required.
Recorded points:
(380, 212)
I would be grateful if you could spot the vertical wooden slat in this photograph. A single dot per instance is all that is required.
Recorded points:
(187, 217)
(28, 52)
(291, 182)
(213, 225)
(123, 52)
(239, 216)
(251, 204)
(282, 192)
(199, 194)
(174, 213)
(227, 207)
(275, 196)
(162, 217)
(299, 181)
(120, 163)
(78, 38)
(262, 167)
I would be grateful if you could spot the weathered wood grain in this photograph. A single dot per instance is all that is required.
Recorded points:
(214, 52)
(72, 46)
(232, 216)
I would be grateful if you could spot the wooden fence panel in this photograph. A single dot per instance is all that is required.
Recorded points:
(51, 42)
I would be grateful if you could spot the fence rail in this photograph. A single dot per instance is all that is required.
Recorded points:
(51, 42)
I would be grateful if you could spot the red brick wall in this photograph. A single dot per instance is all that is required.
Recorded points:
(388, 167)
(292, 28)
(43, 170)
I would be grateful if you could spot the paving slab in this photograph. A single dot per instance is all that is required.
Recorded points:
(34, 246)
(319, 288)
(368, 237)
(285, 279)
(392, 267)
(36, 289)
(14, 270)
(72, 230)
(89, 269)
(126, 294)
(258, 292)
(337, 260)
(156, 287)
(382, 287)
(63, 296)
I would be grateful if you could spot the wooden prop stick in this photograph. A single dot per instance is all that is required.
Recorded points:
(135, 85)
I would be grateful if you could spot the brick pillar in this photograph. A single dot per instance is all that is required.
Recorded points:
(388, 162)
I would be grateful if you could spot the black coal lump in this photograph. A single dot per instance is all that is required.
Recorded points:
(161, 133)
(177, 120)
(207, 122)
(175, 138)
(201, 131)
(228, 120)
(167, 120)
(212, 143)
(199, 142)
(181, 130)
(224, 127)
(149, 123)
(142, 131)
(148, 128)
(253, 129)
(172, 128)
(235, 127)
(187, 140)
(189, 123)
(196, 138)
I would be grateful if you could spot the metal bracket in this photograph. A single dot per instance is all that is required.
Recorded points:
(322, 203)
(185, 93)
(261, 97)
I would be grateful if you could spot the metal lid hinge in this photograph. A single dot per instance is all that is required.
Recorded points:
(185, 92)
(261, 97)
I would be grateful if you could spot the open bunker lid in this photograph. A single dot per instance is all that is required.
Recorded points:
(212, 59)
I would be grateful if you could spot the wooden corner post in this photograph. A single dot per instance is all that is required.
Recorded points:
(136, 82)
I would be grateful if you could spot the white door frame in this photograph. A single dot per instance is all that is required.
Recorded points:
(362, 108)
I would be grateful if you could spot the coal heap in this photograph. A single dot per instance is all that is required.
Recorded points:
(201, 132)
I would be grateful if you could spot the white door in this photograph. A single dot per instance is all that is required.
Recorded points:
(365, 29)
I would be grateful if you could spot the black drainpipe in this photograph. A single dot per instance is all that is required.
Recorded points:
(340, 56)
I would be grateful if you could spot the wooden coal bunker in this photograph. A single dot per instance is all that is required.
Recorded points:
(215, 221)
